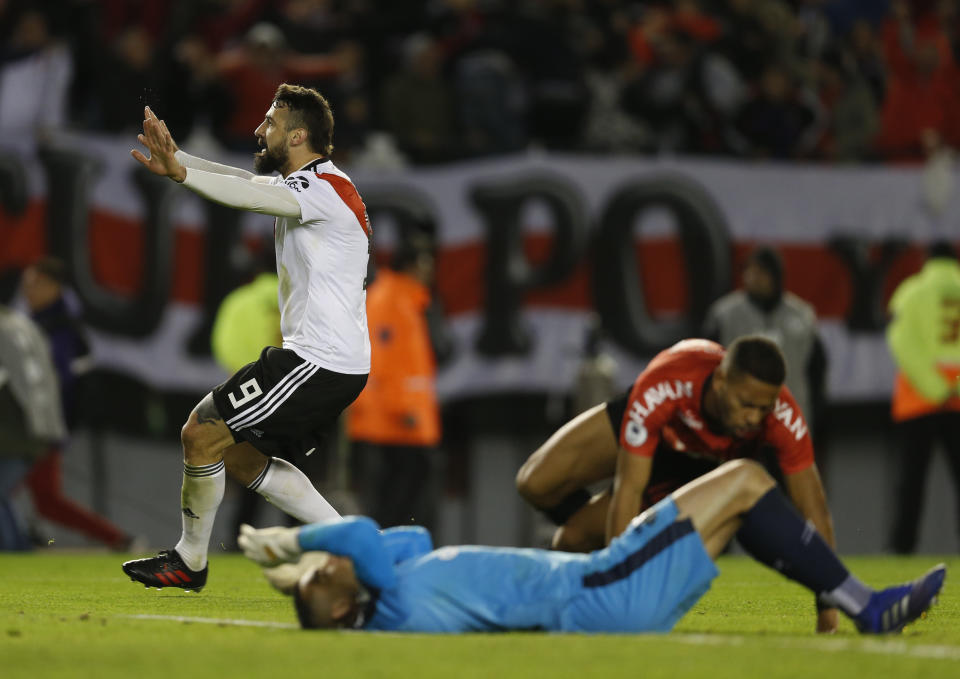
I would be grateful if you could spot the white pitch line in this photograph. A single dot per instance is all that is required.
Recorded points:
(215, 621)
(870, 646)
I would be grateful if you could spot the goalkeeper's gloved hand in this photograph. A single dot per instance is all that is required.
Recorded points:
(286, 576)
(270, 546)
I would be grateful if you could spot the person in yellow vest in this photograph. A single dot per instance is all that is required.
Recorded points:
(924, 338)
(248, 321)
(394, 425)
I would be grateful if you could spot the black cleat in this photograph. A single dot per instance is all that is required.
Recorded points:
(165, 570)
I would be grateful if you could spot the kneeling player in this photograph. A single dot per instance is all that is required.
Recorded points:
(692, 408)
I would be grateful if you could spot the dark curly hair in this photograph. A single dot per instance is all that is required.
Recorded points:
(308, 109)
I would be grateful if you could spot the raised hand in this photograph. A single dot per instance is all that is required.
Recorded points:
(269, 546)
(158, 141)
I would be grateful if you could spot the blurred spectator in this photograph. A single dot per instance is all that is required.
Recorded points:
(484, 77)
(348, 93)
(851, 111)
(492, 103)
(127, 80)
(843, 15)
(749, 39)
(31, 419)
(921, 112)
(36, 68)
(545, 41)
(609, 127)
(43, 287)
(251, 74)
(868, 55)
(924, 339)
(921, 106)
(763, 307)
(395, 422)
(190, 71)
(663, 95)
(781, 120)
(948, 18)
(309, 23)
(148, 16)
(417, 103)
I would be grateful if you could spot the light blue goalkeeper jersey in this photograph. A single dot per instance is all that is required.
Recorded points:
(644, 581)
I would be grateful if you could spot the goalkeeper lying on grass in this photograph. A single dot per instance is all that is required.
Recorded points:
(356, 576)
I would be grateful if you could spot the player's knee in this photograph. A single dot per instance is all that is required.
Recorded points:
(752, 479)
(569, 538)
(529, 484)
(195, 443)
(189, 436)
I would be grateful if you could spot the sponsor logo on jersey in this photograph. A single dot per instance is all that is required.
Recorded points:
(635, 433)
(689, 418)
(793, 421)
(296, 182)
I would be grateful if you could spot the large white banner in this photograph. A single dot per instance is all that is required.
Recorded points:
(531, 249)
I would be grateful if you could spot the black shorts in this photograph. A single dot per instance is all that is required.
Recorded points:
(616, 409)
(282, 404)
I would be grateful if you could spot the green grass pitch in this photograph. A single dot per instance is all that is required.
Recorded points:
(71, 615)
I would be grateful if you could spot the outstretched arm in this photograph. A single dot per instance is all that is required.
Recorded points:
(222, 184)
(633, 474)
(806, 491)
(195, 163)
(243, 194)
(355, 537)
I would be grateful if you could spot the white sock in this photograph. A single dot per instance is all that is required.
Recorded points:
(852, 596)
(289, 489)
(200, 497)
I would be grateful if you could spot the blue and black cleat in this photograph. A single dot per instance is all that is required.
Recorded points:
(891, 609)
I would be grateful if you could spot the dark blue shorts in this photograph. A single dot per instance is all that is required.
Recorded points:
(646, 579)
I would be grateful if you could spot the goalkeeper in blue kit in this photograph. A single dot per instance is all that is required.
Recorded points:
(346, 573)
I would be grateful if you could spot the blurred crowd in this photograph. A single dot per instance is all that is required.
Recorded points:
(427, 81)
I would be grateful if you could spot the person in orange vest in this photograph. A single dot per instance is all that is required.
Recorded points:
(924, 338)
(394, 425)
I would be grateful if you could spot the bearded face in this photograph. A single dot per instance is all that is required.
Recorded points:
(271, 158)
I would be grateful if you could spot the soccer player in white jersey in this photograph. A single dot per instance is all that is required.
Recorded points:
(273, 410)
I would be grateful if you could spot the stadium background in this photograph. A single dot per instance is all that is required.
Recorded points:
(531, 161)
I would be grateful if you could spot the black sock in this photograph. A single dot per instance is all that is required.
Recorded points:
(568, 506)
(774, 534)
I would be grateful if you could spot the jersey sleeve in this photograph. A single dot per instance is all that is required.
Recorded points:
(788, 433)
(652, 402)
(241, 193)
(358, 538)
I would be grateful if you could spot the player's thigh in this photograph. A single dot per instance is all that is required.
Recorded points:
(582, 451)
(646, 579)
(586, 530)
